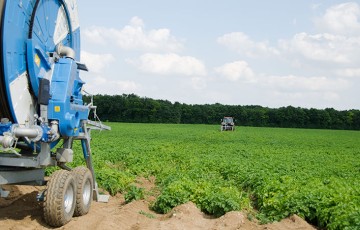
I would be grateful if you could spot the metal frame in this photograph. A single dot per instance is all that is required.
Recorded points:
(15, 169)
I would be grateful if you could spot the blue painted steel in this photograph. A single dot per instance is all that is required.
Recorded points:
(36, 24)
(45, 136)
(19, 53)
(66, 103)
(85, 152)
(15, 25)
(38, 70)
(5, 127)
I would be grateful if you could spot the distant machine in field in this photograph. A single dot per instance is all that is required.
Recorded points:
(41, 107)
(227, 124)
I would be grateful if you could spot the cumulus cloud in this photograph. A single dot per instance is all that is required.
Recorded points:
(338, 40)
(128, 86)
(198, 83)
(349, 72)
(96, 62)
(341, 19)
(318, 91)
(307, 100)
(134, 36)
(168, 64)
(324, 63)
(238, 70)
(241, 43)
(324, 47)
(103, 85)
(297, 84)
(95, 35)
(336, 46)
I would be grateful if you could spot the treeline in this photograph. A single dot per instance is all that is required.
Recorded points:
(132, 108)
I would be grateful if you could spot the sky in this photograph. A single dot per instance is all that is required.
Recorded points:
(270, 53)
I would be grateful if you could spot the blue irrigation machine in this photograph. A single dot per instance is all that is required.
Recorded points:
(41, 106)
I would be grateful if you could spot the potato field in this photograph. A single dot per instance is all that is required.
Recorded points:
(270, 173)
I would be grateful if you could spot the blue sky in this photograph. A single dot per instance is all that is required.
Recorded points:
(269, 53)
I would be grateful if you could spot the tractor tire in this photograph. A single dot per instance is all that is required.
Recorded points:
(60, 195)
(84, 191)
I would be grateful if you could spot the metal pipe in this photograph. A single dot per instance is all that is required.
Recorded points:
(54, 131)
(7, 141)
(26, 132)
(2, 139)
(65, 51)
(34, 133)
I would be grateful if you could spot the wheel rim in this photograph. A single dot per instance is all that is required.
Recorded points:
(87, 192)
(69, 199)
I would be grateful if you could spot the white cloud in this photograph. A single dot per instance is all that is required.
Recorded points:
(324, 47)
(335, 48)
(349, 72)
(308, 100)
(97, 84)
(242, 44)
(128, 86)
(297, 84)
(320, 92)
(96, 62)
(167, 64)
(238, 70)
(318, 67)
(331, 96)
(137, 22)
(198, 83)
(341, 19)
(95, 35)
(135, 37)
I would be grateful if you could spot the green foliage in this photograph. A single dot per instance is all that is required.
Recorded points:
(279, 172)
(209, 197)
(174, 194)
(148, 215)
(132, 108)
(50, 170)
(134, 193)
(112, 180)
(218, 201)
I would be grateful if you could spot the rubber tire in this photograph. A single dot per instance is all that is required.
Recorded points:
(55, 212)
(84, 194)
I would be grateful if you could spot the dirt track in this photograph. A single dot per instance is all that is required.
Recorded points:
(22, 211)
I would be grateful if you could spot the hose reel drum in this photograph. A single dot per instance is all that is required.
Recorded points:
(41, 104)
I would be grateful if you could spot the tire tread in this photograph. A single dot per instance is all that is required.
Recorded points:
(54, 213)
(81, 174)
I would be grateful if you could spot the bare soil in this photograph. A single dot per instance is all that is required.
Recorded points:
(21, 211)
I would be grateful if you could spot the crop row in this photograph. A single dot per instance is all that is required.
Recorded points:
(278, 172)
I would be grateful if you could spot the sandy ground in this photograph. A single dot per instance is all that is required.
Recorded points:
(21, 211)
